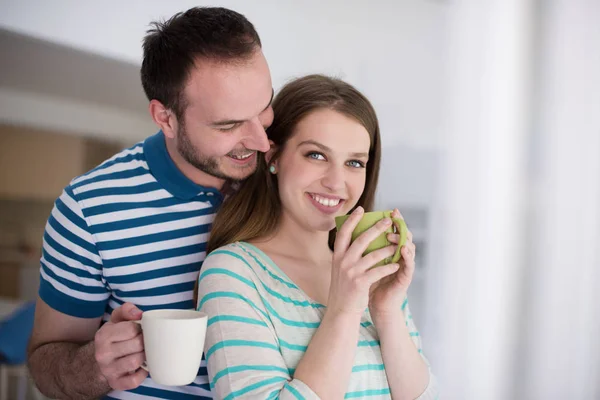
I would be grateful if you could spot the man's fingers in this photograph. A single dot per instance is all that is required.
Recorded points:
(112, 333)
(130, 381)
(127, 347)
(127, 365)
(127, 312)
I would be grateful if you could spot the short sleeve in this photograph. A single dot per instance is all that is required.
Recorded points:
(70, 267)
(242, 349)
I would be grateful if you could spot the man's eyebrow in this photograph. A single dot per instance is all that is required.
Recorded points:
(239, 121)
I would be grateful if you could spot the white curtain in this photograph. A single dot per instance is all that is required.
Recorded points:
(513, 288)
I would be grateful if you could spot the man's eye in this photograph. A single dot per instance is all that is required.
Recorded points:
(227, 127)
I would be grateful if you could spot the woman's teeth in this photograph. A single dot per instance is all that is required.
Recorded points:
(324, 201)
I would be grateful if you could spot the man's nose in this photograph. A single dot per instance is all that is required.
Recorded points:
(256, 138)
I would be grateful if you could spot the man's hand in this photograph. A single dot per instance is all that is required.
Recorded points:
(119, 349)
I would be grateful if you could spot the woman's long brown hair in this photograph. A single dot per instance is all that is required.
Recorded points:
(254, 210)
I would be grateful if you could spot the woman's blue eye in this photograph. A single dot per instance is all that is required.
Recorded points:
(315, 156)
(356, 164)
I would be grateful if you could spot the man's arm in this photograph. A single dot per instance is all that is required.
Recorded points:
(69, 358)
(61, 355)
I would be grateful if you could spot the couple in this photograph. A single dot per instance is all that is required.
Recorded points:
(130, 236)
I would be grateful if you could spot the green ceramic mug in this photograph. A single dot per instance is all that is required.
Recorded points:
(367, 221)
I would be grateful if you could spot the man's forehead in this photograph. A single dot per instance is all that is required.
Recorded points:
(229, 91)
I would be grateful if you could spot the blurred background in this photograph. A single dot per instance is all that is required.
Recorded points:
(490, 117)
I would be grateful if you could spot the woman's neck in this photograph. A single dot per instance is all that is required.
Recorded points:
(293, 241)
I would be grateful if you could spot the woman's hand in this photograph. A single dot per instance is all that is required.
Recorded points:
(351, 273)
(387, 295)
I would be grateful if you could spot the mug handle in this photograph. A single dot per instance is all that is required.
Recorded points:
(144, 366)
(403, 231)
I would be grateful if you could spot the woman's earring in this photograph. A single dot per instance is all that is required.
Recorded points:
(272, 169)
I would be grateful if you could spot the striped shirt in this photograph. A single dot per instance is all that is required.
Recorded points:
(260, 324)
(134, 229)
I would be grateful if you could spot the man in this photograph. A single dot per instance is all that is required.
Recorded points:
(130, 235)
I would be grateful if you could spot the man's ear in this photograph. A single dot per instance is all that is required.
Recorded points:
(164, 118)
(271, 152)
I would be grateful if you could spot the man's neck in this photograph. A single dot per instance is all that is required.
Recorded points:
(192, 173)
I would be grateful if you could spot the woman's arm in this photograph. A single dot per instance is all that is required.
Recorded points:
(243, 350)
(243, 353)
(406, 368)
(327, 364)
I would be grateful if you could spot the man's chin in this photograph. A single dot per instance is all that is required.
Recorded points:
(238, 174)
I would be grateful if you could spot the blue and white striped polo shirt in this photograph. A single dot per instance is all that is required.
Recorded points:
(134, 229)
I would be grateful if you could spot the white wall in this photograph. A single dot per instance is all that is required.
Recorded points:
(563, 354)
(64, 115)
(515, 285)
(393, 51)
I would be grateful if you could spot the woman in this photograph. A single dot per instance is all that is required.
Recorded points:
(295, 312)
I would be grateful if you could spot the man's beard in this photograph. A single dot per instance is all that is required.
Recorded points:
(208, 165)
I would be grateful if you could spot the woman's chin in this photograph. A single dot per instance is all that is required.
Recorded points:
(326, 226)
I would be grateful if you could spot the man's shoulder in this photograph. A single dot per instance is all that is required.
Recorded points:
(130, 162)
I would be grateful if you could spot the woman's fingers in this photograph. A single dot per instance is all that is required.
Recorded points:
(359, 246)
(344, 235)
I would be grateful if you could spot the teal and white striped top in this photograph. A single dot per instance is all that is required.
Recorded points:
(260, 324)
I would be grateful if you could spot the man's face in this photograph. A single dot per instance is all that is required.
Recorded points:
(228, 110)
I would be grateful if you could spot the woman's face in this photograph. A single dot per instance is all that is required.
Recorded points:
(322, 169)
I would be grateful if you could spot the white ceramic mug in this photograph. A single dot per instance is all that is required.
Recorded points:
(173, 343)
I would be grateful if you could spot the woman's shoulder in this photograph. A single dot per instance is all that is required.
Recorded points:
(225, 265)
(232, 253)
(238, 256)
(246, 260)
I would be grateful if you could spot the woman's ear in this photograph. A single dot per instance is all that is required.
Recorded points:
(271, 152)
